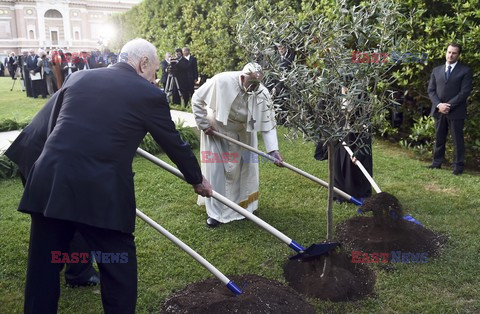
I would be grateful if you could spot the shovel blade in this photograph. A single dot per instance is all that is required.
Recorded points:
(315, 250)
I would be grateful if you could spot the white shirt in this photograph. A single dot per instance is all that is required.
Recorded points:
(452, 65)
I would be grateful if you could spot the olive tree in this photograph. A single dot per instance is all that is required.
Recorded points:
(340, 76)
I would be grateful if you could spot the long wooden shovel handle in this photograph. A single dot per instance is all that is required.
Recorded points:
(242, 211)
(230, 284)
(362, 168)
(287, 165)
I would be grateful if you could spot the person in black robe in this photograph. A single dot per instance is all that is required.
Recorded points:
(348, 176)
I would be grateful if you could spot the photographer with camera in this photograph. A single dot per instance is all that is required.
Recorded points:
(177, 80)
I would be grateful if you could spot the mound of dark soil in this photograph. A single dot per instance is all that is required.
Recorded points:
(260, 295)
(361, 233)
(386, 231)
(343, 281)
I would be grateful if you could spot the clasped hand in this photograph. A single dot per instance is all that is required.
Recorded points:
(444, 108)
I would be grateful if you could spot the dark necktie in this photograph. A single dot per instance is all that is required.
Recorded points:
(449, 71)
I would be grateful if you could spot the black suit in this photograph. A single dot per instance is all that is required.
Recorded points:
(83, 179)
(180, 71)
(164, 65)
(25, 75)
(37, 85)
(192, 74)
(455, 92)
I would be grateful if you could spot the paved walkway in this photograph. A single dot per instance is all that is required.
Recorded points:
(6, 138)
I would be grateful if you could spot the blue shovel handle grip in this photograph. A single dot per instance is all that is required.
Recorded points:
(297, 247)
(234, 288)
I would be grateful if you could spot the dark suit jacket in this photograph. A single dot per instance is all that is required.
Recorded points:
(192, 72)
(32, 63)
(455, 91)
(84, 173)
(28, 145)
(180, 70)
(164, 64)
(286, 62)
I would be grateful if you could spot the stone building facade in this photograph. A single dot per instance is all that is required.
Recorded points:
(73, 25)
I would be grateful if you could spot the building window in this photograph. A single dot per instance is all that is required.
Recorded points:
(53, 14)
(5, 29)
(54, 38)
(31, 34)
(77, 35)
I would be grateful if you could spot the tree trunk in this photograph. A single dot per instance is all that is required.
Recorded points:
(331, 185)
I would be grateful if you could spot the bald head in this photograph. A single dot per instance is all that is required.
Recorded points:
(142, 56)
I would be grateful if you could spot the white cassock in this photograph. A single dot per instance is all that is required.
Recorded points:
(232, 170)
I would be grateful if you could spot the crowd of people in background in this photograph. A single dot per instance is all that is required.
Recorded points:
(42, 72)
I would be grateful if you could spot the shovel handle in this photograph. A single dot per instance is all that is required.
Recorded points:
(287, 165)
(189, 251)
(362, 168)
(242, 211)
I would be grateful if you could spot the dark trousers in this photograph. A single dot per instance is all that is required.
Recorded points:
(78, 273)
(442, 125)
(118, 280)
(176, 96)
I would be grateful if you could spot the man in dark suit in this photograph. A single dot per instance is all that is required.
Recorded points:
(83, 179)
(164, 66)
(448, 89)
(24, 151)
(179, 70)
(192, 74)
(37, 84)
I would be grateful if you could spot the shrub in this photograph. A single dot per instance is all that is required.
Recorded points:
(8, 169)
(186, 133)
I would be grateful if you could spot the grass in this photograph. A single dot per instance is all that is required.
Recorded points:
(14, 104)
(294, 205)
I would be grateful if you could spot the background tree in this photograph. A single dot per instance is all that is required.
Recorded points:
(210, 29)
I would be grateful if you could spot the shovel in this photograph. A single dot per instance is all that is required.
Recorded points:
(362, 168)
(230, 284)
(295, 169)
(313, 250)
(372, 182)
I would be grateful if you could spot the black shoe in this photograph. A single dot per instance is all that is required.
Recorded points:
(434, 167)
(457, 172)
(212, 223)
(92, 281)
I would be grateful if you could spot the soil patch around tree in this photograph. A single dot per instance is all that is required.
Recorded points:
(260, 295)
(343, 280)
(386, 232)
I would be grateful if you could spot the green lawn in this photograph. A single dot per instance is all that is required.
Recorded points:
(15, 104)
(296, 206)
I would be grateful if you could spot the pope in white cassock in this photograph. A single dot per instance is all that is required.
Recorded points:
(238, 105)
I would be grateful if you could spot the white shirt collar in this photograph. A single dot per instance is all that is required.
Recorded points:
(452, 65)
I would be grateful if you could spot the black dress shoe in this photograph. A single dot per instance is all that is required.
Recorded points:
(434, 167)
(212, 223)
(92, 281)
(457, 172)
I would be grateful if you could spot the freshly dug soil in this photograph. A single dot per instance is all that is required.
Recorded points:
(343, 281)
(383, 233)
(260, 295)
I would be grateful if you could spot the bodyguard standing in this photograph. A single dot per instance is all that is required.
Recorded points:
(449, 87)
